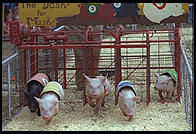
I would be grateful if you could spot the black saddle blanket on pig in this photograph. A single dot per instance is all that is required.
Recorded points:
(127, 84)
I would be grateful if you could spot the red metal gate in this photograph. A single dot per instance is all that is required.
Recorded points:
(133, 58)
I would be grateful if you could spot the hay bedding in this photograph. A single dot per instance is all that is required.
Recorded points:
(76, 117)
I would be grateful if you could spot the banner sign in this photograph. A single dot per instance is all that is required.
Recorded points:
(51, 14)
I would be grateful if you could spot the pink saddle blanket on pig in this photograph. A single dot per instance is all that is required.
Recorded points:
(41, 78)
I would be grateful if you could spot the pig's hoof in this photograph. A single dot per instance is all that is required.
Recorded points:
(38, 113)
(130, 119)
(84, 103)
(92, 105)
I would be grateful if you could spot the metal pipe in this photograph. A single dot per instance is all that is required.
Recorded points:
(186, 95)
(13, 89)
(7, 61)
(148, 67)
(59, 28)
(9, 58)
(188, 69)
(15, 70)
(46, 43)
(28, 64)
(79, 46)
(64, 69)
(9, 93)
(187, 63)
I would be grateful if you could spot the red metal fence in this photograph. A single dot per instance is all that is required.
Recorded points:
(125, 54)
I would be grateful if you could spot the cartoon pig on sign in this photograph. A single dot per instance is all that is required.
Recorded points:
(125, 95)
(156, 12)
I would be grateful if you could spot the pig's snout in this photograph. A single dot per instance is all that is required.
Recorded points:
(130, 116)
(94, 94)
(33, 110)
(45, 117)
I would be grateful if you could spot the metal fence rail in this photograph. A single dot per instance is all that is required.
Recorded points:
(9, 70)
(187, 87)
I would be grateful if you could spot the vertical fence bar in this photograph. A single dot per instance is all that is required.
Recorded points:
(37, 62)
(56, 64)
(3, 14)
(185, 94)
(36, 57)
(20, 78)
(25, 66)
(92, 63)
(181, 68)
(148, 67)
(64, 69)
(159, 63)
(192, 105)
(9, 93)
(118, 70)
(186, 71)
(171, 44)
(28, 64)
(84, 70)
(177, 59)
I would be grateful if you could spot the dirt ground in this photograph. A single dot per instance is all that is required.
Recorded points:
(155, 116)
(76, 117)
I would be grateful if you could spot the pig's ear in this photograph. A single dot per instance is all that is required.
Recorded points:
(156, 75)
(121, 96)
(105, 91)
(136, 98)
(86, 77)
(104, 79)
(55, 102)
(168, 79)
(37, 99)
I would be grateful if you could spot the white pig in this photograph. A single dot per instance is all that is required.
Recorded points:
(125, 95)
(50, 98)
(107, 87)
(95, 90)
(166, 82)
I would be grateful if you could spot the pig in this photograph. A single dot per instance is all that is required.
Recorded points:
(125, 95)
(49, 100)
(34, 87)
(166, 83)
(107, 87)
(96, 89)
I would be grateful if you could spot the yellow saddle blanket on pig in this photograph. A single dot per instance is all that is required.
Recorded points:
(52, 86)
